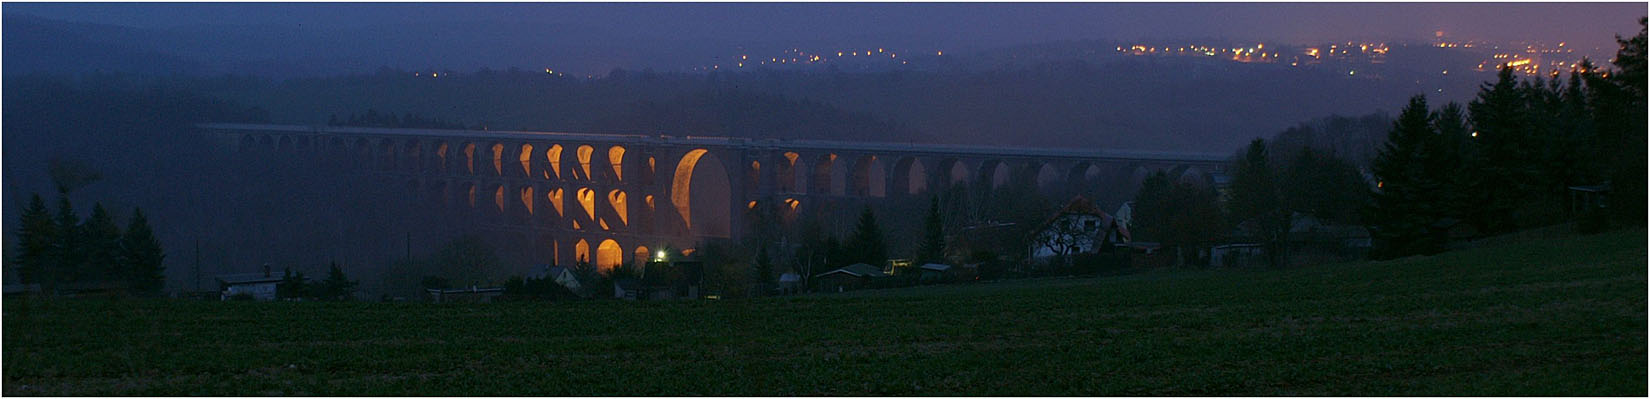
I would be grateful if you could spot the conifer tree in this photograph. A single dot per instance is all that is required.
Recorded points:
(866, 245)
(337, 286)
(101, 240)
(142, 256)
(1257, 199)
(1498, 115)
(1406, 200)
(36, 236)
(69, 252)
(933, 239)
(1626, 120)
(1453, 162)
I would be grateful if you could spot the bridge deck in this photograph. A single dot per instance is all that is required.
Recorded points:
(713, 141)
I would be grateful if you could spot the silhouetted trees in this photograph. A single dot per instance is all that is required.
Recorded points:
(1257, 198)
(293, 285)
(337, 286)
(1325, 187)
(535, 288)
(1409, 199)
(866, 244)
(54, 251)
(37, 237)
(932, 249)
(1182, 217)
(1510, 163)
(143, 256)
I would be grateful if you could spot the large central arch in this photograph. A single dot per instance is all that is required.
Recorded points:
(910, 177)
(701, 193)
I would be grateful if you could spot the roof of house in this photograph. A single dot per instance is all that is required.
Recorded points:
(248, 278)
(1082, 206)
(471, 290)
(857, 270)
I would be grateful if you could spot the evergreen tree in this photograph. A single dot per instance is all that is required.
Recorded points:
(142, 256)
(1580, 154)
(102, 246)
(1150, 216)
(1625, 119)
(35, 240)
(337, 286)
(1256, 198)
(1181, 217)
(1325, 187)
(70, 254)
(1406, 200)
(1455, 164)
(1498, 115)
(292, 285)
(933, 239)
(866, 245)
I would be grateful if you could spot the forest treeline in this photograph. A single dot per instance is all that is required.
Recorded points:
(60, 252)
(1523, 153)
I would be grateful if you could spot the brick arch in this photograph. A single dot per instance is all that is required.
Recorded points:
(910, 177)
(869, 178)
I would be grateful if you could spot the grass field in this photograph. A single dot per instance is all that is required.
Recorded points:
(1557, 317)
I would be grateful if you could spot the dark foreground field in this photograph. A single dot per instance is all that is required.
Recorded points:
(1563, 317)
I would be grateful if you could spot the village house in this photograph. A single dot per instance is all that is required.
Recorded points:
(1078, 228)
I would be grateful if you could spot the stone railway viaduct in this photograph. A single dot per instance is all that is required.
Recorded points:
(606, 197)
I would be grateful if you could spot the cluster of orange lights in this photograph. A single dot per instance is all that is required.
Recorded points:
(797, 56)
(1239, 54)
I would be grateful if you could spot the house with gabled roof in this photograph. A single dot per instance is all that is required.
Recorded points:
(1078, 228)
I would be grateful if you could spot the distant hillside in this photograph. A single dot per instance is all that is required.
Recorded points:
(1055, 94)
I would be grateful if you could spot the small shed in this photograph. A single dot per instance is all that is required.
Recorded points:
(258, 286)
(465, 295)
(627, 288)
(789, 283)
(563, 276)
(936, 273)
(851, 277)
(1236, 255)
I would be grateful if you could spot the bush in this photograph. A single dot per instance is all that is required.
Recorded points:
(1095, 264)
(1592, 221)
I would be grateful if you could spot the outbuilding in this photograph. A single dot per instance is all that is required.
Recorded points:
(936, 273)
(851, 277)
(256, 286)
